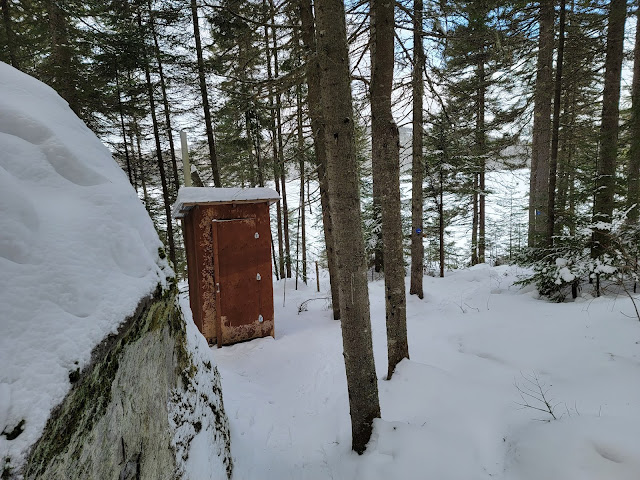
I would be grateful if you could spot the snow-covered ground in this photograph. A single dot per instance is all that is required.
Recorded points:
(453, 411)
(77, 253)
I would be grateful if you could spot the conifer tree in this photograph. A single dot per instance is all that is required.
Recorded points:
(386, 176)
(605, 180)
(342, 171)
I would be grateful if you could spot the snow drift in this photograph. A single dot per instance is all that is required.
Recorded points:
(78, 256)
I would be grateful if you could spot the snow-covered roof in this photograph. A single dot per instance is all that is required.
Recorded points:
(190, 196)
(78, 252)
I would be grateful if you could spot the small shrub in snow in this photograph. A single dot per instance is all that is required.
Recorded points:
(557, 271)
(565, 267)
(535, 395)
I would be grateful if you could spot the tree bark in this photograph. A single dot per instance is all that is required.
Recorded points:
(555, 134)
(417, 164)
(213, 157)
(474, 222)
(633, 169)
(156, 134)
(283, 183)
(378, 254)
(481, 145)
(317, 129)
(539, 180)
(165, 101)
(257, 141)
(441, 221)
(342, 169)
(385, 142)
(565, 155)
(12, 44)
(143, 179)
(274, 144)
(133, 160)
(302, 179)
(251, 144)
(63, 78)
(605, 181)
(124, 133)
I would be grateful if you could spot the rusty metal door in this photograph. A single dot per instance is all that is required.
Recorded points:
(238, 282)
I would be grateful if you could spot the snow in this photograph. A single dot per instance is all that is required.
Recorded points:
(192, 195)
(454, 410)
(199, 454)
(77, 252)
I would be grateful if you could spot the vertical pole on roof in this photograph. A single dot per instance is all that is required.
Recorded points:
(185, 158)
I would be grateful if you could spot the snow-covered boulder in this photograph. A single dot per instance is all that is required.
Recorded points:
(100, 375)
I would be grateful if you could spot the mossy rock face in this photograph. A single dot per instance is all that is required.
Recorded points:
(114, 422)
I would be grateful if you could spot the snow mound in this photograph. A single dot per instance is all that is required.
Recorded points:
(577, 448)
(77, 253)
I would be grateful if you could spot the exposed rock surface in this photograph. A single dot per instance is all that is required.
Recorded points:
(128, 415)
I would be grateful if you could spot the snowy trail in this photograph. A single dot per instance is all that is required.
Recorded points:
(451, 412)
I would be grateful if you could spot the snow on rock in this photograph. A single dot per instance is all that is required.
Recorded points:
(77, 253)
(197, 417)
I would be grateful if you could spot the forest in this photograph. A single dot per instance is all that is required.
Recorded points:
(382, 125)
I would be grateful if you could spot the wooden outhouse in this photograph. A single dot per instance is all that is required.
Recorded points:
(228, 244)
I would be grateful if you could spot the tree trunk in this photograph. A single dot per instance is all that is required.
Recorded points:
(63, 78)
(317, 129)
(441, 222)
(417, 165)
(342, 169)
(12, 44)
(555, 135)
(378, 254)
(133, 160)
(283, 184)
(276, 180)
(143, 180)
(565, 157)
(572, 200)
(605, 181)
(124, 133)
(481, 144)
(213, 157)
(165, 102)
(274, 144)
(156, 134)
(539, 180)
(302, 177)
(633, 187)
(385, 143)
(251, 144)
(474, 222)
(257, 141)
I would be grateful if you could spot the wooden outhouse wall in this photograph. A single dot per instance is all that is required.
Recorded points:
(204, 299)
